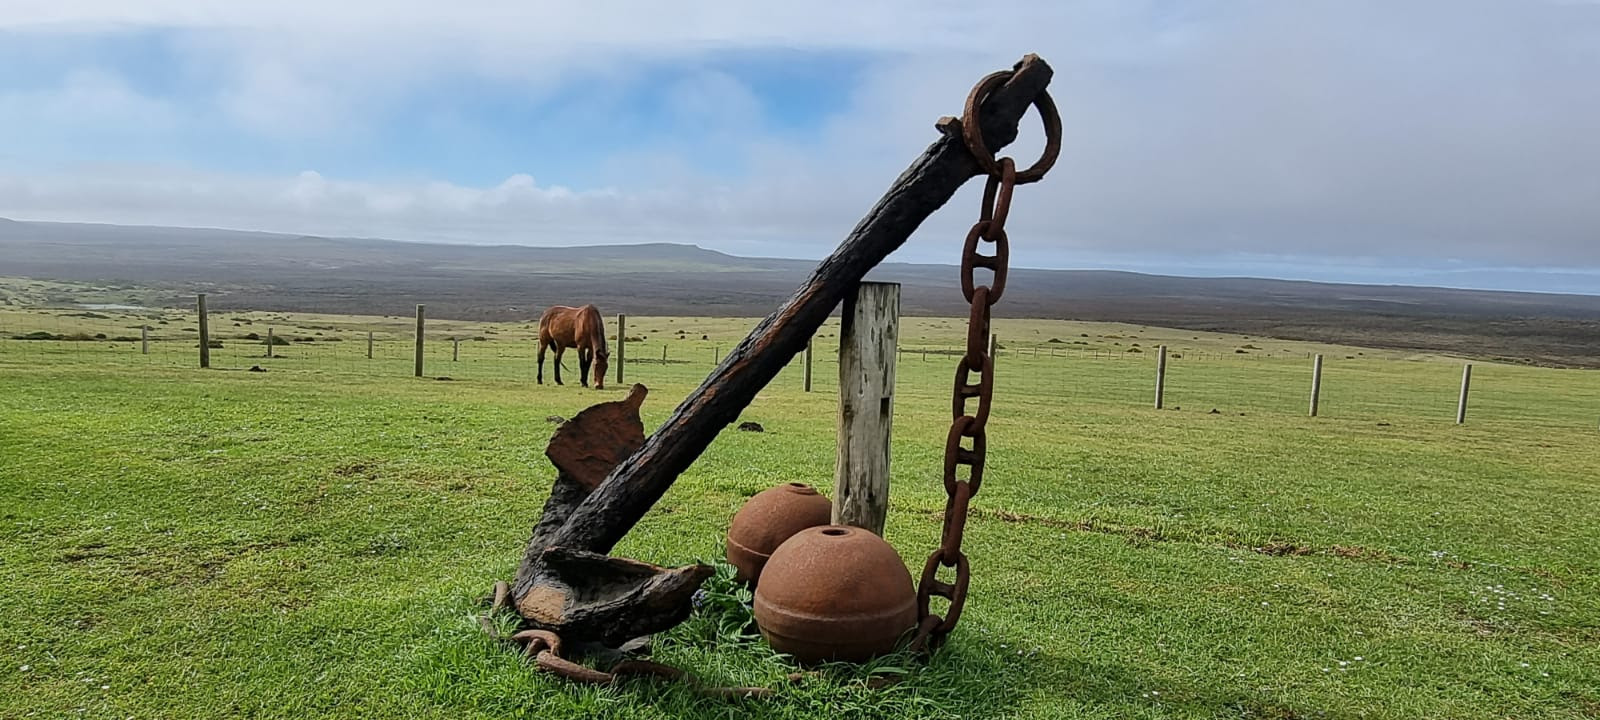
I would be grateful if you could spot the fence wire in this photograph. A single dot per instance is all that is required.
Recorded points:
(682, 351)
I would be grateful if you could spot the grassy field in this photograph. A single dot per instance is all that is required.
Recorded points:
(313, 541)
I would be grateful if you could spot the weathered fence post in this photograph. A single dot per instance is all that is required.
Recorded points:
(269, 342)
(622, 344)
(369, 344)
(716, 354)
(205, 332)
(869, 332)
(419, 340)
(808, 364)
(1316, 383)
(994, 345)
(1161, 374)
(1461, 405)
(144, 339)
(663, 353)
(455, 349)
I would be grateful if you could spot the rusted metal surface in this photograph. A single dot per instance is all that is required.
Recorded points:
(835, 593)
(587, 595)
(769, 518)
(545, 648)
(583, 451)
(974, 137)
(594, 441)
(972, 426)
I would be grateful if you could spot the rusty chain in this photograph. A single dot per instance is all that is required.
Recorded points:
(1003, 178)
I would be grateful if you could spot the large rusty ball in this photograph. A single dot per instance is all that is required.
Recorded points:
(835, 593)
(768, 519)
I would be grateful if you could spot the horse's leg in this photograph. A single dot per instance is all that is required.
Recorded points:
(541, 360)
(585, 356)
(560, 350)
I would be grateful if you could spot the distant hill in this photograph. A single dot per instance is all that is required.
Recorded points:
(267, 271)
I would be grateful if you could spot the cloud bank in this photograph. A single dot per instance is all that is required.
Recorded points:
(1437, 133)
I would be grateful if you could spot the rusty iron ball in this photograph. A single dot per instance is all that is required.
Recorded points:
(835, 593)
(769, 518)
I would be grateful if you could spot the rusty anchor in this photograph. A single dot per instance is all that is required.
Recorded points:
(609, 474)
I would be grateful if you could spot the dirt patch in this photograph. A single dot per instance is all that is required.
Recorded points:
(1357, 552)
(1143, 534)
(1278, 548)
(357, 469)
(1131, 532)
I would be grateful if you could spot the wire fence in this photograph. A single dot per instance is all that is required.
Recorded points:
(682, 351)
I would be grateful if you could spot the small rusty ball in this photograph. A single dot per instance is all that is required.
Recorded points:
(768, 519)
(835, 593)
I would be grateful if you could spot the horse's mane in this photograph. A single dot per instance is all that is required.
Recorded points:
(599, 330)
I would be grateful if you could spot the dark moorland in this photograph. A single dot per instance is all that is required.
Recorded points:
(263, 271)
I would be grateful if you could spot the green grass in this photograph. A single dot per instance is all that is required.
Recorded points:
(313, 541)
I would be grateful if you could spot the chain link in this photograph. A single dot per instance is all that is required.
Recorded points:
(990, 228)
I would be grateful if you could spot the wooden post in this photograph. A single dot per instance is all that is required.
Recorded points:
(994, 345)
(663, 353)
(1316, 383)
(269, 342)
(867, 338)
(144, 339)
(1461, 405)
(622, 344)
(205, 332)
(716, 354)
(455, 349)
(808, 365)
(419, 340)
(1161, 374)
(369, 344)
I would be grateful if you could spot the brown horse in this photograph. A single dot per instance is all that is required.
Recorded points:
(561, 327)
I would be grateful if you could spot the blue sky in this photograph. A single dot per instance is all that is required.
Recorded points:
(1436, 141)
(455, 127)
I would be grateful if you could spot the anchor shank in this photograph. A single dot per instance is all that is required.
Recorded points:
(635, 485)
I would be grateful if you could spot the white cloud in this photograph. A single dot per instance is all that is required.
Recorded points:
(86, 98)
(1442, 129)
